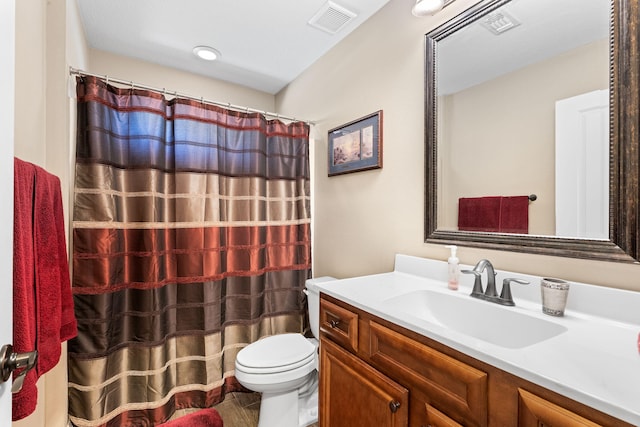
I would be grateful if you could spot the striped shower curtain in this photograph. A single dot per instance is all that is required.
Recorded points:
(191, 239)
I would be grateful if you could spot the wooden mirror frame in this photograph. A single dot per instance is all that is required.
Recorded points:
(624, 83)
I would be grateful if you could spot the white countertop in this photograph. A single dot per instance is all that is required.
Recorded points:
(596, 362)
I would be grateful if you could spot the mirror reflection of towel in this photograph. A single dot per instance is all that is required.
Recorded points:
(500, 214)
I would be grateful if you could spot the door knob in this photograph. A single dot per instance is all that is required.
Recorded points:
(11, 361)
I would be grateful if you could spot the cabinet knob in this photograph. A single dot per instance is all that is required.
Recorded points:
(394, 405)
(334, 323)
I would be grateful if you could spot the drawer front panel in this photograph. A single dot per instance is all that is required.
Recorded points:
(340, 324)
(534, 411)
(453, 387)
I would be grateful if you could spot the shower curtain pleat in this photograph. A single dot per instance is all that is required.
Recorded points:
(191, 239)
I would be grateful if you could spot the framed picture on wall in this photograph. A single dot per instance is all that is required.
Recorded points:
(356, 146)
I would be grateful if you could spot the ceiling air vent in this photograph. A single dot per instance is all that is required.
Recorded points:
(331, 18)
(499, 22)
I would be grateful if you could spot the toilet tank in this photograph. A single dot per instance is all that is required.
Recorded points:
(313, 300)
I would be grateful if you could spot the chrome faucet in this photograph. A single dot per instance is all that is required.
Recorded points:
(490, 293)
(478, 290)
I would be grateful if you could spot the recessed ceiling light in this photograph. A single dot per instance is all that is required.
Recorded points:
(207, 53)
(427, 7)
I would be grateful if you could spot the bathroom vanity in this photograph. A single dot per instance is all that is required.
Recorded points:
(400, 349)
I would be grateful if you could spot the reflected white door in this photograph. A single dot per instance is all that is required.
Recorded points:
(582, 166)
(7, 89)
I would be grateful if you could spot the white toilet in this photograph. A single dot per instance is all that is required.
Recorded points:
(284, 368)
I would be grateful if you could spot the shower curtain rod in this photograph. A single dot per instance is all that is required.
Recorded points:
(108, 79)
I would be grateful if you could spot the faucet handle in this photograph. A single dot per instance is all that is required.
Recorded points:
(477, 284)
(505, 294)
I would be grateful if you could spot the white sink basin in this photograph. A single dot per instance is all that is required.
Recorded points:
(479, 319)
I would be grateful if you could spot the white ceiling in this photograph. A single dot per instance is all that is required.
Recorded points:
(265, 44)
(547, 28)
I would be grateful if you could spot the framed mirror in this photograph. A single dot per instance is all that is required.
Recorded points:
(499, 78)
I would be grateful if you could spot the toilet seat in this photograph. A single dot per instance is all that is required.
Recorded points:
(278, 353)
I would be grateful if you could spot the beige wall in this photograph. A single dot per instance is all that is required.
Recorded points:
(363, 219)
(488, 155)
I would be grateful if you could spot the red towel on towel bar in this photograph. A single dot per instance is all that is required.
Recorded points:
(514, 215)
(479, 214)
(494, 214)
(203, 418)
(43, 305)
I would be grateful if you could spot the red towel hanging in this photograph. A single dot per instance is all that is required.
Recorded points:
(499, 214)
(514, 215)
(43, 305)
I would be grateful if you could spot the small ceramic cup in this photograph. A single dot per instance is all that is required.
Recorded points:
(554, 296)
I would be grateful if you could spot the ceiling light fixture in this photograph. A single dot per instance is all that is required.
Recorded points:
(207, 53)
(428, 7)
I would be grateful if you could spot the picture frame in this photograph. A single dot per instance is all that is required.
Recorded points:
(356, 146)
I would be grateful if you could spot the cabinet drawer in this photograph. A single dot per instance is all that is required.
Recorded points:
(534, 411)
(451, 386)
(340, 324)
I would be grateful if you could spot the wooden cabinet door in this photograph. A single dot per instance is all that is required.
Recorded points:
(352, 393)
(453, 387)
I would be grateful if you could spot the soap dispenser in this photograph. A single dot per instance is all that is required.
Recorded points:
(454, 268)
